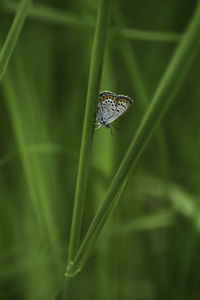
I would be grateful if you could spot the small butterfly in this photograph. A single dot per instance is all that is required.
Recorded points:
(111, 107)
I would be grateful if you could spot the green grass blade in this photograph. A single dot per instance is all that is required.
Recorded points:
(47, 13)
(127, 52)
(182, 202)
(50, 148)
(84, 160)
(50, 14)
(154, 221)
(33, 168)
(13, 35)
(163, 97)
(151, 36)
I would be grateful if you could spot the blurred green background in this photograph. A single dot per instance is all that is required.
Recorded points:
(150, 246)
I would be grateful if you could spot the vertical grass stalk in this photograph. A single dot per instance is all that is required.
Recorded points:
(87, 133)
(13, 35)
(167, 89)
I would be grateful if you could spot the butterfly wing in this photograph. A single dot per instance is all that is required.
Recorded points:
(123, 103)
(106, 106)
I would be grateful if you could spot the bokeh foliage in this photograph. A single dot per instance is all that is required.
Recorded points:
(149, 249)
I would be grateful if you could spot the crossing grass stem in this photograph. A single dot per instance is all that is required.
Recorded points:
(13, 35)
(165, 93)
(87, 133)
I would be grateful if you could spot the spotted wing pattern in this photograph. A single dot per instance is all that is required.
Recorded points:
(106, 106)
(123, 103)
(111, 106)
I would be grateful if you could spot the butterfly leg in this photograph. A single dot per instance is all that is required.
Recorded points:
(96, 125)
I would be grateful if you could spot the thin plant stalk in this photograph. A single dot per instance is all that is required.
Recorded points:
(52, 15)
(146, 35)
(49, 14)
(13, 35)
(165, 93)
(87, 133)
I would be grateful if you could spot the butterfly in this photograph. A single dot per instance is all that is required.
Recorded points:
(110, 107)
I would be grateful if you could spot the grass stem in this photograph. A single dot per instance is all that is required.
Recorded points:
(87, 133)
(49, 14)
(165, 93)
(13, 35)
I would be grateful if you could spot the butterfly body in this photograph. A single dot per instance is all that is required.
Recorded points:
(111, 107)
